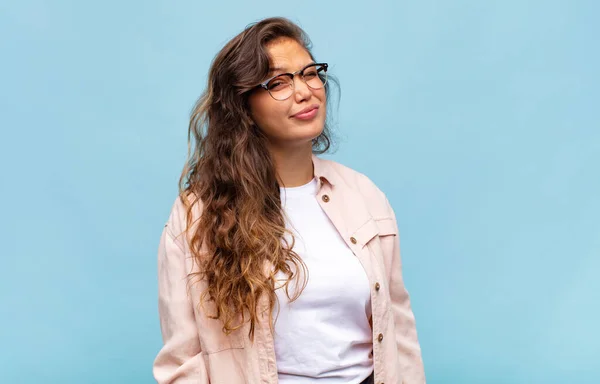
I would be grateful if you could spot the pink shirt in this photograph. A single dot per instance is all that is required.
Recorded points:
(197, 351)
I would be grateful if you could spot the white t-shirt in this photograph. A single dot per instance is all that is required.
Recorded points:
(323, 336)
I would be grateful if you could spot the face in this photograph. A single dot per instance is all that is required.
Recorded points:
(282, 121)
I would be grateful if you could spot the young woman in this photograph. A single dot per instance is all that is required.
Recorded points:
(276, 266)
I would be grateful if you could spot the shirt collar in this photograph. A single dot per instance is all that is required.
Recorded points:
(323, 170)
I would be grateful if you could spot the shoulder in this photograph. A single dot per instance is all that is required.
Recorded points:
(351, 179)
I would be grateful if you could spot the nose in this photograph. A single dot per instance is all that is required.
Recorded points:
(301, 90)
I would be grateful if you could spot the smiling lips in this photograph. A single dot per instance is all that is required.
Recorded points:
(307, 113)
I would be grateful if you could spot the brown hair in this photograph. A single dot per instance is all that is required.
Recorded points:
(231, 173)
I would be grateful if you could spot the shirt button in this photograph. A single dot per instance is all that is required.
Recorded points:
(377, 286)
(353, 240)
(380, 337)
(325, 198)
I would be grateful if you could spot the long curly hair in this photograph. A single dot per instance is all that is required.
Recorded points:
(230, 172)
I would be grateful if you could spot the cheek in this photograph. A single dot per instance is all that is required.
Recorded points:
(276, 113)
(320, 94)
(268, 113)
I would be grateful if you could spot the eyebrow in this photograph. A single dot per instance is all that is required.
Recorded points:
(278, 69)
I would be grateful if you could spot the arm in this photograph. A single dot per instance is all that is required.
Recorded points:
(180, 360)
(409, 351)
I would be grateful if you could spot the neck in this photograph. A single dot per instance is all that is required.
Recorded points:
(294, 167)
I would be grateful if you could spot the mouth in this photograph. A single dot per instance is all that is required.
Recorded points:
(307, 113)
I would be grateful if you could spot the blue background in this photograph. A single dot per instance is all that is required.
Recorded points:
(479, 119)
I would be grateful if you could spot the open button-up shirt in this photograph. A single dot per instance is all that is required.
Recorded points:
(197, 351)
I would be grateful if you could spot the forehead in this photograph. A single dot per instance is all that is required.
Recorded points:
(287, 55)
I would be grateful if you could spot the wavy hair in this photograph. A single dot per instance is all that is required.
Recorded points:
(230, 172)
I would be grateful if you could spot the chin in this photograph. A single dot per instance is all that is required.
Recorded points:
(305, 132)
(313, 132)
(303, 138)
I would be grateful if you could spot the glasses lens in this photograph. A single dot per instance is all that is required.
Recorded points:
(281, 87)
(315, 76)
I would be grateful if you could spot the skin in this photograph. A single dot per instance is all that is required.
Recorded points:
(290, 139)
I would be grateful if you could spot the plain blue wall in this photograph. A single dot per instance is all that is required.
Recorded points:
(479, 119)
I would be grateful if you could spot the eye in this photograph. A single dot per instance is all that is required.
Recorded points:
(310, 74)
(278, 83)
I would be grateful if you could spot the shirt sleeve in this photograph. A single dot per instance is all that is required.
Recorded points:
(409, 350)
(180, 360)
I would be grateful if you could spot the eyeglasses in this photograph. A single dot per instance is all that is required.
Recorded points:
(281, 87)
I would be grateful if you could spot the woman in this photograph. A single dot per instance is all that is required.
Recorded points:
(276, 266)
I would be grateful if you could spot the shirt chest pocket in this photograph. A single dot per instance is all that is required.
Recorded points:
(376, 234)
(377, 238)
(387, 240)
(372, 240)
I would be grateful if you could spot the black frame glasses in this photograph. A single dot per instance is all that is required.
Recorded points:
(270, 83)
